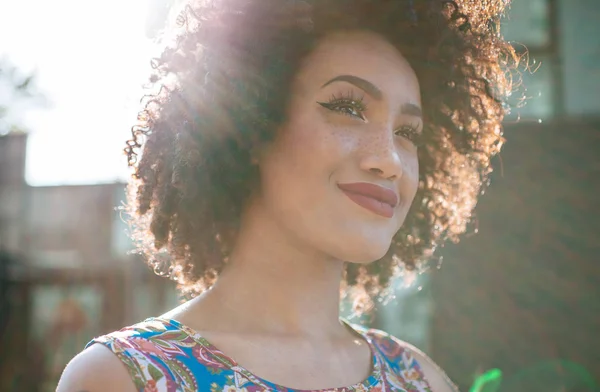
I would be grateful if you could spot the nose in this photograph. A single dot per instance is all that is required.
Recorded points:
(383, 158)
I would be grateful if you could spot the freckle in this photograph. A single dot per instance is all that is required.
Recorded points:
(338, 133)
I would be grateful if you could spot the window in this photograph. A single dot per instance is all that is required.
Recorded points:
(528, 25)
(560, 39)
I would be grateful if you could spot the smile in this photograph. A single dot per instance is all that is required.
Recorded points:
(375, 198)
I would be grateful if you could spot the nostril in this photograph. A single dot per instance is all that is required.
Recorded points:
(381, 173)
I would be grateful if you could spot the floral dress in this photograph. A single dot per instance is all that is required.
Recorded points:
(164, 355)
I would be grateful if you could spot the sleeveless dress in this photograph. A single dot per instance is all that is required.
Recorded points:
(164, 355)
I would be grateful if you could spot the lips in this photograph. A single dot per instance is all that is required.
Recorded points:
(372, 197)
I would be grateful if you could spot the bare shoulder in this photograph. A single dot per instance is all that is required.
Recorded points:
(435, 376)
(95, 369)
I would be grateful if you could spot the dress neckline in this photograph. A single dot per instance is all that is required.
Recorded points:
(373, 379)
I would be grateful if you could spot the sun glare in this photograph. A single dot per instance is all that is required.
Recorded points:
(89, 60)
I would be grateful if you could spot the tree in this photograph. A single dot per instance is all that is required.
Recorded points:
(15, 89)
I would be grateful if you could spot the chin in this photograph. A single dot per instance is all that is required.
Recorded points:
(364, 253)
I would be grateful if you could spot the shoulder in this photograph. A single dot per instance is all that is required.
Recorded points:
(95, 369)
(119, 361)
(402, 355)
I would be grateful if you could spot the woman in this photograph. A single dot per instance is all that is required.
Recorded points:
(291, 146)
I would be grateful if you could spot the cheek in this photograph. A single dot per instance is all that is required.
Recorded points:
(311, 149)
(412, 169)
(409, 183)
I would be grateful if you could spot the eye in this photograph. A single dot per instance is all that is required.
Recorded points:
(348, 106)
(410, 133)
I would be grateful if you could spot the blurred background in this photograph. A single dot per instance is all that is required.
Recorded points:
(521, 296)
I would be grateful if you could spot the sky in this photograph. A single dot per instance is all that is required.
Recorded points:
(90, 61)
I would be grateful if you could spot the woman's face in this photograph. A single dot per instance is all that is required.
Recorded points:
(342, 172)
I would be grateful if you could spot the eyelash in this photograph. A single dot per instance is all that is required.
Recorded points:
(410, 133)
(358, 107)
(337, 103)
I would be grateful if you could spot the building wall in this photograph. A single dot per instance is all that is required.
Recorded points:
(70, 226)
(526, 289)
(523, 295)
(68, 278)
(12, 189)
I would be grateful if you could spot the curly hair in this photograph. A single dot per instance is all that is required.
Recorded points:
(221, 86)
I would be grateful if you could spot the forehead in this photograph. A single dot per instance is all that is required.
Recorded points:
(366, 55)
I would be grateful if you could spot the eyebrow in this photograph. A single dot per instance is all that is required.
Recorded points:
(361, 83)
(408, 108)
(411, 109)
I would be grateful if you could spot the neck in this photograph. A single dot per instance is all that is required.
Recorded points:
(273, 283)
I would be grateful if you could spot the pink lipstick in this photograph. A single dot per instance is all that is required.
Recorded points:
(375, 198)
